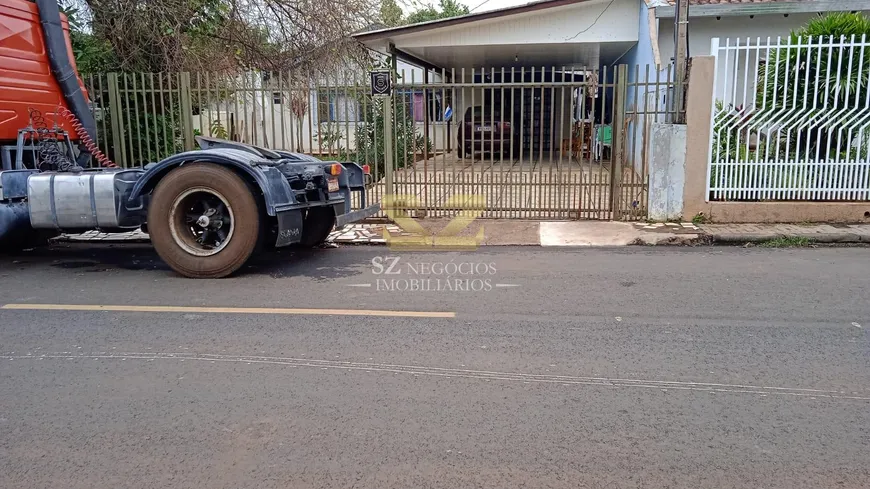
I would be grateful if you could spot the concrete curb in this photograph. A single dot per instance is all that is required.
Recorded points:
(673, 240)
(576, 234)
(735, 238)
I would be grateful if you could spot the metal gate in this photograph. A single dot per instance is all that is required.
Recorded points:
(532, 143)
(536, 143)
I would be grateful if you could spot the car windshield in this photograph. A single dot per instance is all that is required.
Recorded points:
(478, 114)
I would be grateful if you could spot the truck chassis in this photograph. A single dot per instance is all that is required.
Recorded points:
(207, 211)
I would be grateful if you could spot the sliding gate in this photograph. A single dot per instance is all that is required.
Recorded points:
(529, 143)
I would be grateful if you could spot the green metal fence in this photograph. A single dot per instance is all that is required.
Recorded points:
(542, 143)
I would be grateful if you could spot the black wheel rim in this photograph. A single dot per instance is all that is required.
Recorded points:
(201, 221)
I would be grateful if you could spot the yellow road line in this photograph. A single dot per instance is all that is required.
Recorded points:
(231, 310)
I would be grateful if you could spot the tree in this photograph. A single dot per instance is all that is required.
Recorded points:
(370, 141)
(299, 108)
(391, 13)
(92, 54)
(814, 78)
(148, 43)
(225, 35)
(449, 8)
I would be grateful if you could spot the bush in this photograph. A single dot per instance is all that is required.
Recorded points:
(729, 143)
(835, 78)
(150, 120)
(371, 143)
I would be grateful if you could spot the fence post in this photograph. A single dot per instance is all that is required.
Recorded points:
(389, 141)
(119, 152)
(618, 139)
(700, 100)
(389, 150)
(714, 51)
(186, 108)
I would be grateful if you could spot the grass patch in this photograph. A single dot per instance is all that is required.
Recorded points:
(786, 242)
(700, 218)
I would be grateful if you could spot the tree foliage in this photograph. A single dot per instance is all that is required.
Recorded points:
(815, 79)
(228, 35)
(92, 54)
(391, 14)
(220, 35)
(448, 9)
(370, 141)
(799, 87)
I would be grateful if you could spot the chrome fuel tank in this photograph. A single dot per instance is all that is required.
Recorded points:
(88, 200)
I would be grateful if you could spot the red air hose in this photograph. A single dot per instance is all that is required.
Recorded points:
(85, 138)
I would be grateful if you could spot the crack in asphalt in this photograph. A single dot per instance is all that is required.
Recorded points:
(416, 370)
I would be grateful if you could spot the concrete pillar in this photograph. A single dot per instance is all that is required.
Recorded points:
(667, 172)
(699, 113)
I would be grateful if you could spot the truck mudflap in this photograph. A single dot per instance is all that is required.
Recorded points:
(291, 222)
(357, 215)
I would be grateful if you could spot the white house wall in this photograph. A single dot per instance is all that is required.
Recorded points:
(268, 132)
(275, 126)
(408, 73)
(259, 120)
(702, 30)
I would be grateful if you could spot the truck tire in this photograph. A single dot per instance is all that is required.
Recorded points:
(317, 225)
(204, 221)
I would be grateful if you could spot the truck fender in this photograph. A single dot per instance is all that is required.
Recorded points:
(276, 191)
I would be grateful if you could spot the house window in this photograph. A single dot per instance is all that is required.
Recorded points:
(413, 105)
(418, 104)
(404, 105)
(337, 107)
(410, 104)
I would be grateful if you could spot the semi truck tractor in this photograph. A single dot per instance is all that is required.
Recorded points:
(207, 211)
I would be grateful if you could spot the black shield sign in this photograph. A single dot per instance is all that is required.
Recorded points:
(381, 83)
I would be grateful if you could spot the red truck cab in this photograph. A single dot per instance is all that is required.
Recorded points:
(26, 80)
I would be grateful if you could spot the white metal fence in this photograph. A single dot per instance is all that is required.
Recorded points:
(790, 120)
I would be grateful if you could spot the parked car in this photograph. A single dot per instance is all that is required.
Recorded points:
(484, 131)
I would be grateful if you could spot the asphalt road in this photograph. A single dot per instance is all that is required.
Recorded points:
(632, 367)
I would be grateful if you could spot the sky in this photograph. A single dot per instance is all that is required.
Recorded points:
(484, 5)
(475, 5)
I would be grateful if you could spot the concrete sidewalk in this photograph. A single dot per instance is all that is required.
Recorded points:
(613, 233)
(504, 232)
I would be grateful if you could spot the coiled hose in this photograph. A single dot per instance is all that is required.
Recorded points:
(50, 156)
(85, 138)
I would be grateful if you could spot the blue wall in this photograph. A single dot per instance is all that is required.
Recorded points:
(641, 54)
(637, 59)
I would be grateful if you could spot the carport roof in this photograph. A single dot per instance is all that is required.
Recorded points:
(549, 33)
